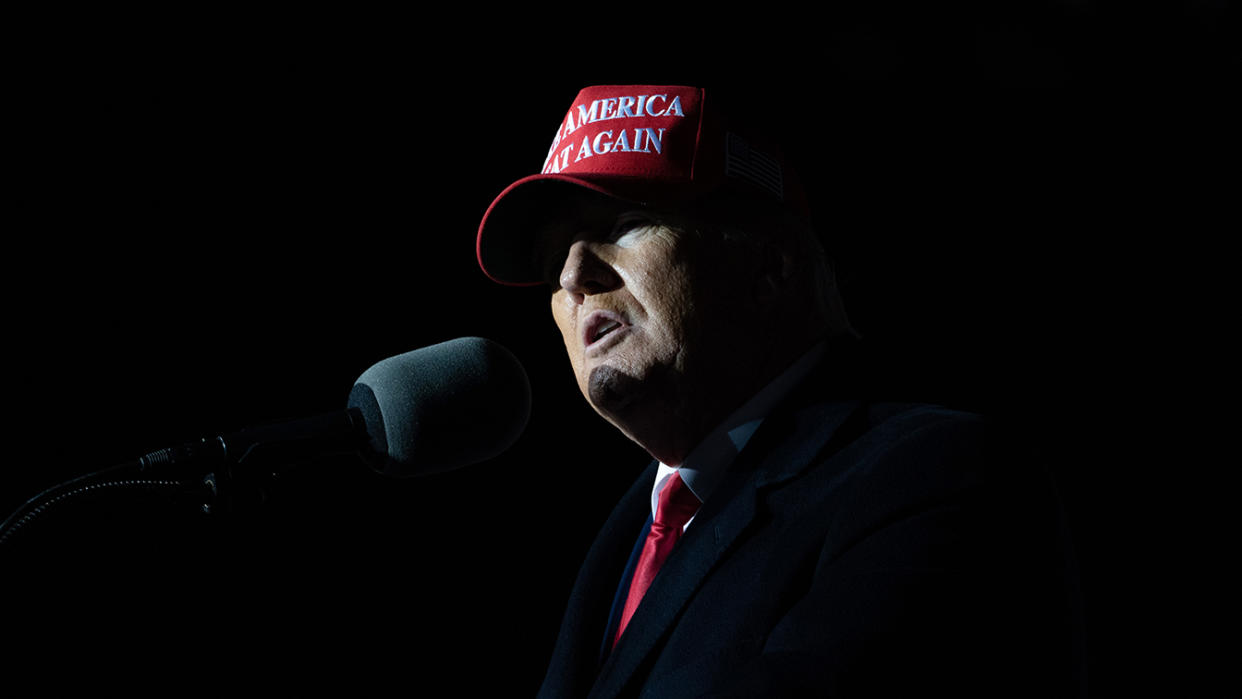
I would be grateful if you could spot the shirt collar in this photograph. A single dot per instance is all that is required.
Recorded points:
(708, 462)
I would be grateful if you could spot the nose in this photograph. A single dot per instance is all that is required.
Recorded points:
(586, 273)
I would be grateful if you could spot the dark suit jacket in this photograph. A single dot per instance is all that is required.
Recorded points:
(854, 549)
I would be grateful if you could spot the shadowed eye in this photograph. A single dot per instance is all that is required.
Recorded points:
(630, 224)
(551, 249)
(552, 263)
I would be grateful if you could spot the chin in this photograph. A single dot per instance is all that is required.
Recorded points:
(611, 391)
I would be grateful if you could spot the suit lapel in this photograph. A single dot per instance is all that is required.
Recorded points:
(575, 661)
(784, 446)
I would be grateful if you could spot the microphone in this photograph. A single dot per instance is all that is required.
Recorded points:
(441, 407)
(429, 410)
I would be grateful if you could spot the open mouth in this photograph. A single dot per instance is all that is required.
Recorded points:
(600, 326)
(605, 328)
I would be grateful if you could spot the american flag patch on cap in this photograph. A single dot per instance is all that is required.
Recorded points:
(753, 166)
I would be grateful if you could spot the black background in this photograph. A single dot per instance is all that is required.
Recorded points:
(222, 221)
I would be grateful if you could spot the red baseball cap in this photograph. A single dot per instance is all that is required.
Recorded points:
(650, 145)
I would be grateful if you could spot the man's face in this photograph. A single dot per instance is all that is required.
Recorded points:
(649, 315)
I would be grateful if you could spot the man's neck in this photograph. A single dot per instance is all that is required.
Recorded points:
(677, 424)
(711, 457)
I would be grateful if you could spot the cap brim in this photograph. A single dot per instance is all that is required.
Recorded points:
(506, 240)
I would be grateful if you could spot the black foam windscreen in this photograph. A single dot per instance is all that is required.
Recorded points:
(441, 407)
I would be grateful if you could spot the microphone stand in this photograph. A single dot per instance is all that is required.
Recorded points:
(185, 592)
(222, 474)
(125, 478)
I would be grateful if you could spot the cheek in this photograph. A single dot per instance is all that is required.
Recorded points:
(569, 336)
(560, 316)
(672, 301)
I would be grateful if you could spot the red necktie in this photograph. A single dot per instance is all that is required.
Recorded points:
(675, 506)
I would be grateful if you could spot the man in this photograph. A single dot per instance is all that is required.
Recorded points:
(798, 539)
